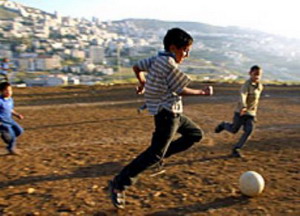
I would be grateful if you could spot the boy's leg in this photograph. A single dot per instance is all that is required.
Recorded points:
(190, 134)
(9, 133)
(17, 128)
(9, 137)
(166, 125)
(248, 129)
(6, 137)
(235, 125)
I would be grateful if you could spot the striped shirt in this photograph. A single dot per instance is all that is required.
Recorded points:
(164, 83)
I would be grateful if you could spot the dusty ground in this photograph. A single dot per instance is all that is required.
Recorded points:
(77, 138)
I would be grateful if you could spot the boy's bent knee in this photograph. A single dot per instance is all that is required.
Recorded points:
(197, 138)
(20, 132)
(234, 130)
(197, 135)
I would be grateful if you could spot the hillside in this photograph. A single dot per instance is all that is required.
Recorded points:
(230, 49)
(218, 52)
(6, 14)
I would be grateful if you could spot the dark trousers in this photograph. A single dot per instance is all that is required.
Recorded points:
(247, 121)
(10, 130)
(167, 124)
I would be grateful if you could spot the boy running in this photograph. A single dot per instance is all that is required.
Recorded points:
(246, 110)
(163, 86)
(9, 129)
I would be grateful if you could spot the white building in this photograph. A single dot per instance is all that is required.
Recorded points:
(48, 62)
(74, 69)
(107, 71)
(5, 53)
(57, 80)
(97, 54)
(88, 67)
(51, 80)
(57, 45)
(75, 53)
(32, 62)
(41, 31)
(74, 81)
(26, 64)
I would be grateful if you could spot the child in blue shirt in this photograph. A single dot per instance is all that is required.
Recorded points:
(9, 129)
(4, 68)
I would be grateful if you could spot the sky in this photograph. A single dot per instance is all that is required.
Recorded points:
(273, 16)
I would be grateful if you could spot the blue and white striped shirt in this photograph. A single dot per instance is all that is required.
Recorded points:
(164, 83)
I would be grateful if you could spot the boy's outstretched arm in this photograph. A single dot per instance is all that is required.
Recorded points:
(243, 99)
(141, 78)
(208, 91)
(18, 115)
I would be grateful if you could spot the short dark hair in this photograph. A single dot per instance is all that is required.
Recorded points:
(4, 85)
(177, 37)
(255, 67)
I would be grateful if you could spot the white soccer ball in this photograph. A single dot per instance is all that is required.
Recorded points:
(251, 183)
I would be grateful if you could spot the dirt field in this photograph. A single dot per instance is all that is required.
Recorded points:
(77, 138)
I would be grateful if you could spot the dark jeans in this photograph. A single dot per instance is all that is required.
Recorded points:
(167, 124)
(10, 130)
(247, 121)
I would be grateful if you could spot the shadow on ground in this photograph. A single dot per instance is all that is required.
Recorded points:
(96, 170)
(203, 207)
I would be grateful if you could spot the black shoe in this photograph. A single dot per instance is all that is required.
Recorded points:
(14, 152)
(117, 196)
(219, 128)
(236, 153)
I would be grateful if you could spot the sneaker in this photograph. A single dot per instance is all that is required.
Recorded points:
(117, 196)
(219, 128)
(236, 153)
(14, 152)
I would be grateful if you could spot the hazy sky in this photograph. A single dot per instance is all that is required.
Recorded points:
(274, 16)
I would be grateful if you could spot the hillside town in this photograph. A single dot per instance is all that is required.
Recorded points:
(39, 41)
(47, 48)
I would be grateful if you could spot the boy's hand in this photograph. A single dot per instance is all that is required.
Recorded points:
(20, 116)
(140, 89)
(243, 111)
(209, 90)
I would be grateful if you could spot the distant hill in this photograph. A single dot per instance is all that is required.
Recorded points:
(232, 49)
(217, 50)
(152, 24)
